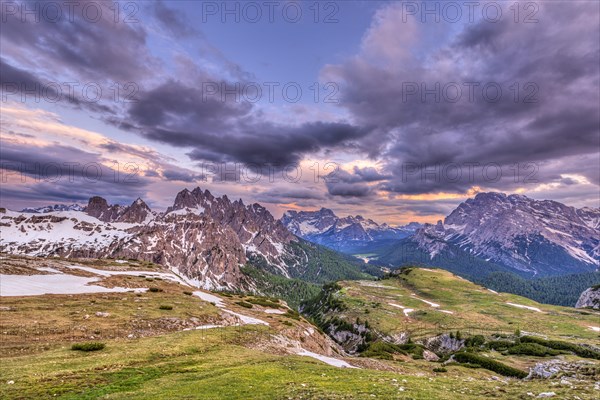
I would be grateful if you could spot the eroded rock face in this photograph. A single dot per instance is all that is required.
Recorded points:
(444, 344)
(552, 368)
(99, 208)
(589, 299)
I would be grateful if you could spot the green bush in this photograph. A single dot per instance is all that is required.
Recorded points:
(500, 345)
(382, 350)
(89, 346)
(165, 307)
(188, 293)
(155, 290)
(475, 341)
(560, 345)
(533, 349)
(244, 304)
(263, 302)
(490, 364)
(292, 314)
(440, 369)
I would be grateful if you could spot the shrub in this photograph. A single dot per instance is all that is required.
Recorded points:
(188, 293)
(440, 369)
(490, 364)
(533, 349)
(89, 346)
(292, 314)
(244, 304)
(382, 350)
(264, 302)
(155, 290)
(165, 307)
(475, 341)
(560, 345)
(500, 345)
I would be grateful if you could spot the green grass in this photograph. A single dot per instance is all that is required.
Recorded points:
(475, 309)
(218, 365)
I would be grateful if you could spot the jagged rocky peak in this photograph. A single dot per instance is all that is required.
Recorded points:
(137, 212)
(99, 208)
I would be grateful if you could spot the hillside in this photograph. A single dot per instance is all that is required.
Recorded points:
(424, 301)
(163, 338)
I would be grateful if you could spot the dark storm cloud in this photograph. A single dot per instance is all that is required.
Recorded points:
(181, 113)
(182, 175)
(57, 172)
(225, 130)
(83, 46)
(555, 62)
(345, 184)
(289, 195)
(172, 20)
(21, 85)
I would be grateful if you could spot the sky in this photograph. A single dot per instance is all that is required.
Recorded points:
(397, 111)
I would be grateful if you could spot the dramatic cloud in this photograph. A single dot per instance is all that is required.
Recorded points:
(548, 73)
(420, 124)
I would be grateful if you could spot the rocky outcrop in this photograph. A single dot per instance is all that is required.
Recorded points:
(98, 208)
(589, 298)
(136, 213)
(554, 368)
(444, 344)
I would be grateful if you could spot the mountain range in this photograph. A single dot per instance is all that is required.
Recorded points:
(351, 234)
(209, 240)
(204, 238)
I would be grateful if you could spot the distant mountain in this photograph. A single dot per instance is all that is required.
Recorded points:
(513, 233)
(349, 234)
(206, 239)
(53, 208)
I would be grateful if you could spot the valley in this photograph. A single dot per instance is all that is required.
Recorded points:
(163, 337)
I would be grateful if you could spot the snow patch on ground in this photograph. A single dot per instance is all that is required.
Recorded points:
(406, 310)
(525, 307)
(375, 285)
(274, 311)
(446, 311)
(210, 298)
(246, 320)
(434, 305)
(36, 285)
(327, 360)
(595, 328)
(493, 291)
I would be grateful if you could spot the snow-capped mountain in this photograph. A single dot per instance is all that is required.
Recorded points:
(347, 233)
(525, 235)
(204, 238)
(54, 208)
